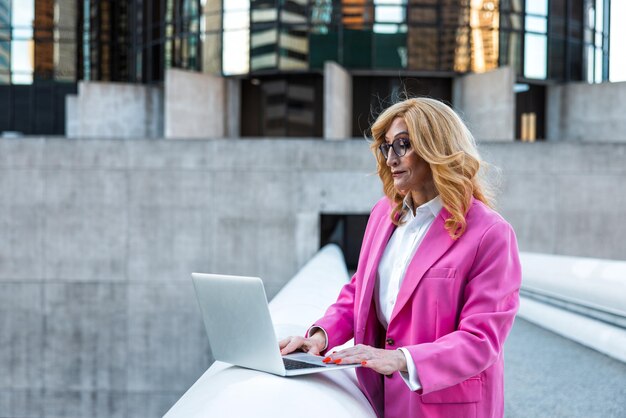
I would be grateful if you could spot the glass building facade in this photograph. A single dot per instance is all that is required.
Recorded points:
(278, 49)
(559, 40)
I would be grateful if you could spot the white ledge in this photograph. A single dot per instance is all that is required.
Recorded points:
(229, 391)
(596, 284)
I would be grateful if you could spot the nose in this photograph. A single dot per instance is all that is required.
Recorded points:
(392, 158)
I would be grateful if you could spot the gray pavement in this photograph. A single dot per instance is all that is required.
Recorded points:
(550, 376)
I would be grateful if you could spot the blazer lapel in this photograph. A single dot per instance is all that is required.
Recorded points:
(436, 242)
(381, 239)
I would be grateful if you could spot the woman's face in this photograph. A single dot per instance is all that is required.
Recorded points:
(410, 172)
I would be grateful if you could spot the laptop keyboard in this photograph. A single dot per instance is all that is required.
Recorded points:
(295, 364)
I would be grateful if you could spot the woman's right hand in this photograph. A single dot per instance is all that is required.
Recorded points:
(314, 344)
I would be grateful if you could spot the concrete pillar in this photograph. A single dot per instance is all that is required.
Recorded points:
(589, 112)
(119, 110)
(337, 102)
(72, 116)
(233, 108)
(487, 103)
(195, 105)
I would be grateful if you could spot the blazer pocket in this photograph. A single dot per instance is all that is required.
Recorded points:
(440, 273)
(470, 390)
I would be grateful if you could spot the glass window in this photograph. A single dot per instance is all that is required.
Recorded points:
(210, 36)
(22, 57)
(390, 34)
(423, 48)
(557, 59)
(64, 34)
(598, 64)
(294, 48)
(537, 7)
(236, 37)
(388, 15)
(484, 40)
(596, 45)
(535, 54)
(321, 13)
(599, 15)
(535, 39)
(536, 24)
(617, 59)
(510, 50)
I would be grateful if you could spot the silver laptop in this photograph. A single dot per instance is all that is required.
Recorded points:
(237, 320)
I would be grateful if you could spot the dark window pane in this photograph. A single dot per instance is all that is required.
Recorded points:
(357, 48)
(323, 48)
(575, 53)
(557, 59)
(390, 50)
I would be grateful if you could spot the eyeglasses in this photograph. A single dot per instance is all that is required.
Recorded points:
(400, 146)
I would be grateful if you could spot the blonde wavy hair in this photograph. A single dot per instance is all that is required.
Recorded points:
(439, 136)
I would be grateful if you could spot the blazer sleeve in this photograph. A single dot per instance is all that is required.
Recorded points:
(338, 321)
(490, 302)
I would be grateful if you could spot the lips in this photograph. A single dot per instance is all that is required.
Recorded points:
(397, 173)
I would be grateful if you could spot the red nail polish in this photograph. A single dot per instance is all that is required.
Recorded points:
(363, 363)
(326, 360)
(338, 361)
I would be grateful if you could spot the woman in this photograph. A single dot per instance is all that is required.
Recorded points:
(436, 287)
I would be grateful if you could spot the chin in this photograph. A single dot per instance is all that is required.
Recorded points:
(402, 192)
(400, 188)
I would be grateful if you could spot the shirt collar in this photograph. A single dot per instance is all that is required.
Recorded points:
(433, 206)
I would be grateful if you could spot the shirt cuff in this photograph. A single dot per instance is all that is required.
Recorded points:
(410, 376)
(313, 330)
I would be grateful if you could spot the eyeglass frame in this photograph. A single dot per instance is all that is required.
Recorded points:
(403, 145)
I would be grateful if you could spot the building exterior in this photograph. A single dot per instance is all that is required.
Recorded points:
(38, 43)
(277, 51)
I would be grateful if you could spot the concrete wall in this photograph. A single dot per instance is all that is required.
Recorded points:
(562, 198)
(99, 237)
(116, 110)
(337, 102)
(194, 105)
(487, 103)
(602, 105)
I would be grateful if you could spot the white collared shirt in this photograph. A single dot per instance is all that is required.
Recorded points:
(399, 252)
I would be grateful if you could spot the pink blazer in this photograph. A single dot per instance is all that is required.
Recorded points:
(455, 308)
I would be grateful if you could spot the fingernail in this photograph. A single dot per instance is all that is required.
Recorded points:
(326, 360)
(337, 361)
(363, 363)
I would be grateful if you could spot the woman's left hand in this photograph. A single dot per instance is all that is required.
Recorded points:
(380, 360)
